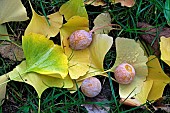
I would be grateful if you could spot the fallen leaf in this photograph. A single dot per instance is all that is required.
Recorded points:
(129, 51)
(98, 49)
(38, 81)
(95, 108)
(3, 78)
(78, 60)
(95, 2)
(39, 24)
(73, 8)
(43, 56)
(165, 49)
(150, 34)
(11, 51)
(127, 3)
(160, 79)
(12, 11)
(102, 19)
(4, 33)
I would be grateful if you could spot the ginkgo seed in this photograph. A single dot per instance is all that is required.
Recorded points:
(124, 73)
(91, 87)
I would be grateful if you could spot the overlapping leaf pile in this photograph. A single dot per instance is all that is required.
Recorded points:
(51, 65)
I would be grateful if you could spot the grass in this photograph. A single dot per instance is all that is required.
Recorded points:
(21, 97)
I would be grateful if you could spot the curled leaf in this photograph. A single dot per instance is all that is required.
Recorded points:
(39, 24)
(43, 56)
(78, 60)
(73, 8)
(12, 11)
(129, 51)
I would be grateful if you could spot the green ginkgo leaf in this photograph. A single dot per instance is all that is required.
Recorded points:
(12, 10)
(38, 81)
(73, 8)
(43, 56)
(129, 51)
(78, 60)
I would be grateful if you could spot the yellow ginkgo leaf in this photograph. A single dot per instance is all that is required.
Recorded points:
(39, 24)
(129, 51)
(78, 60)
(143, 95)
(12, 10)
(73, 8)
(102, 19)
(165, 49)
(160, 79)
(3, 78)
(38, 81)
(98, 49)
(127, 3)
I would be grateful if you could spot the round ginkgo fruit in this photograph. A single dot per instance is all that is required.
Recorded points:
(124, 73)
(91, 87)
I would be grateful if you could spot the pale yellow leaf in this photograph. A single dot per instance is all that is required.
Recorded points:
(165, 49)
(3, 78)
(129, 51)
(39, 24)
(12, 10)
(98, 49)
(102, 19)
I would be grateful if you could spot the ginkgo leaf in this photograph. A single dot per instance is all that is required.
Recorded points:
(98, 49)
(165, 49)
(43, 56)
(143, 95)
(38, 81)
(4, 33)
(127, 3)
(12, 10)
(102, 19)
(129, 51)
(39, 24)
(95, 2)
(78, 60)
(73, 8)
(3, 78)
(159, 78)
